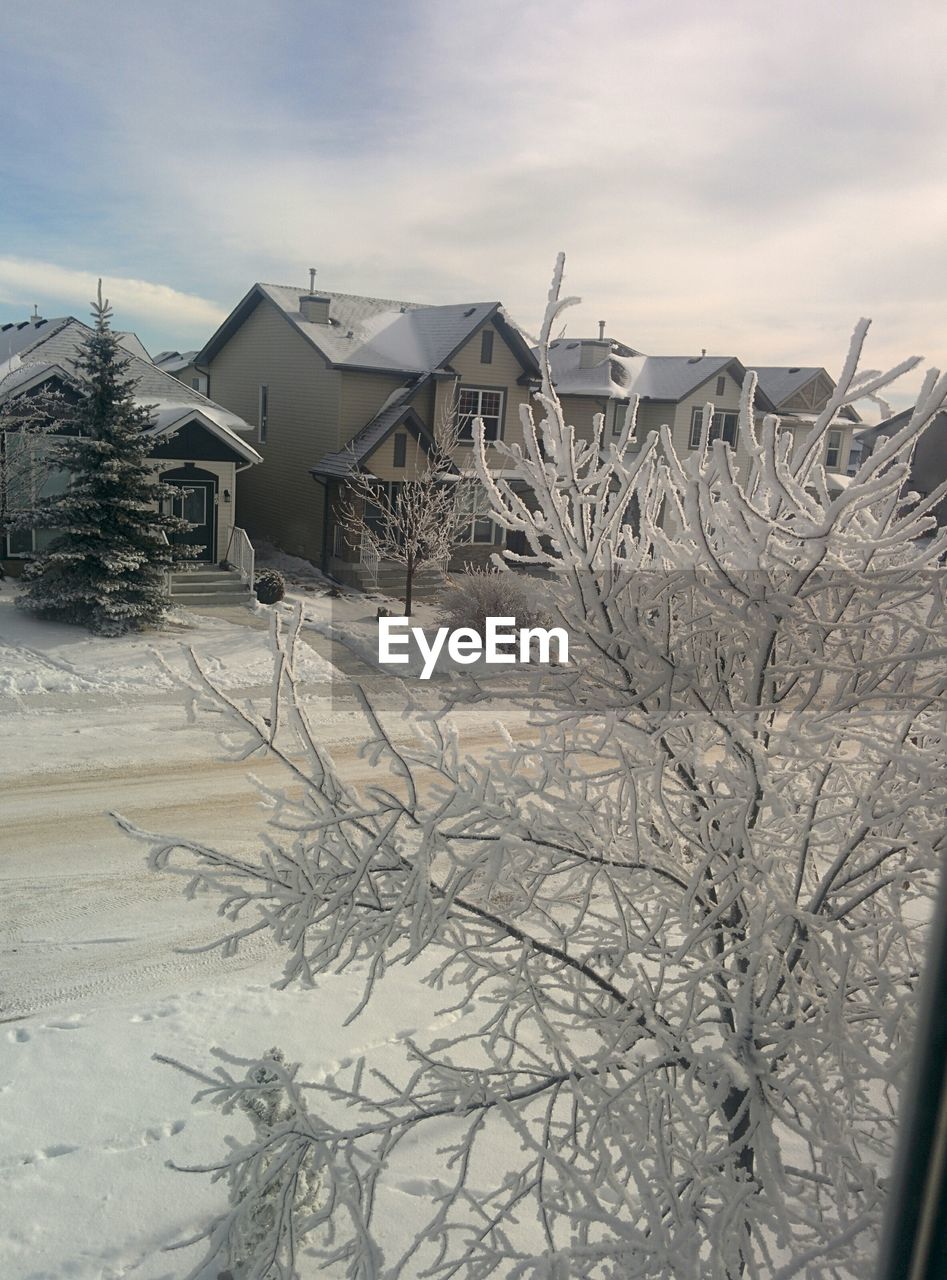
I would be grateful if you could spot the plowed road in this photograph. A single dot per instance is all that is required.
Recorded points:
(82, 918)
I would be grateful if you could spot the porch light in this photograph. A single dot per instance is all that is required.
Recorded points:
(226, 495)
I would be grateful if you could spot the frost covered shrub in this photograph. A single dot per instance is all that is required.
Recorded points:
(270, 586)
(478, 594)
(274, 1185)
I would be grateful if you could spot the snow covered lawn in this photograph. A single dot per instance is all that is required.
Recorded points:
(92, 983)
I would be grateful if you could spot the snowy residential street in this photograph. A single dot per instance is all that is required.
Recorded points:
(94, 981)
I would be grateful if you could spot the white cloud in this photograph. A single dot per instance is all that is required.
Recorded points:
(131, 299)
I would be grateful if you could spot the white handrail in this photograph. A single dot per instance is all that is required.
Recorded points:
(163, 537)
(241, 555)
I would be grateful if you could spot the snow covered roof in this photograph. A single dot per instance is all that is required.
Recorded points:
(174, 361)
(394, 412)
(17, 338)
(781, 382)
(131, 343)
(606, 378)
(381, 334)
(625, 372)
(168, 417)
(53, 347)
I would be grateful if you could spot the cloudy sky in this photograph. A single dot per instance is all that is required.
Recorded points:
(733, 175)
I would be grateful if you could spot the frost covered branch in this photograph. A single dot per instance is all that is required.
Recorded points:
(678, 918)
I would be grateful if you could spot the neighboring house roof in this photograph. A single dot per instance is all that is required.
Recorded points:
(782, 382)
(888, 427)
(166, 419)
(16, 338)
(625, 372)
(606, 378)
(395, 412)
(131, 343)
(48, 349)
(380, 334)
(175, 361)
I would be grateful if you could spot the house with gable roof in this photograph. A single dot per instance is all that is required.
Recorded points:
(335, 381)
(800, 393)
(599, 375)
(198, 447)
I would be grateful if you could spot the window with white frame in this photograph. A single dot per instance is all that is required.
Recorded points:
(833, 449)
(723, 426)
(479, 402)
(474, 525)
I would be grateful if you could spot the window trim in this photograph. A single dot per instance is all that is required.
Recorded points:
(721, 384)
(835, 447)
(468, 419)
(719, 419)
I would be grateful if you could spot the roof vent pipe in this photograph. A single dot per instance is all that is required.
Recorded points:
(601, 330)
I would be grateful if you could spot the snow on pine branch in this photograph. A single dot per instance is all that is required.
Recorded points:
(679, 917)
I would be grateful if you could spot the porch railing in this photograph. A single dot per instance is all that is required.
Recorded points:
(163, 537)
(241, 555)
(369, 560)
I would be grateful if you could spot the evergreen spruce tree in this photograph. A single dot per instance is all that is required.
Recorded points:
(106, 567)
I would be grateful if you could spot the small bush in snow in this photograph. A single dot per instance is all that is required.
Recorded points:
(270, 586)
(478, 594)
(274, 1180)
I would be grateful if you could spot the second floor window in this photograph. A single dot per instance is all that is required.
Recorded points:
(723, 426)
(475, 402)
(401, 450)
(833, 449)
(486, 346)
(264, 411)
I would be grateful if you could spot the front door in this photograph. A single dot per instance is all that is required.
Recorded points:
(194, 502)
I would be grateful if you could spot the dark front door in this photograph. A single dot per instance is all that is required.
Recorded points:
(194, 502)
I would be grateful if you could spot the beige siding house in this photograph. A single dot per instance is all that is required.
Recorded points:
(800, 394)
(600, 375)
(336, 382)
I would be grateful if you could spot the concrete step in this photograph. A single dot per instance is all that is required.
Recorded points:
(187, 586)
(202, 587)
(211, 599)
(205, 575)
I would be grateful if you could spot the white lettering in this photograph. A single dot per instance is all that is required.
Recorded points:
(545, 638)
(430, 653)
(465, 645)
(496, 638)
(386, 639)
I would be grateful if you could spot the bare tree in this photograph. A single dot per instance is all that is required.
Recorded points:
(682, 916)
(416, 522)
